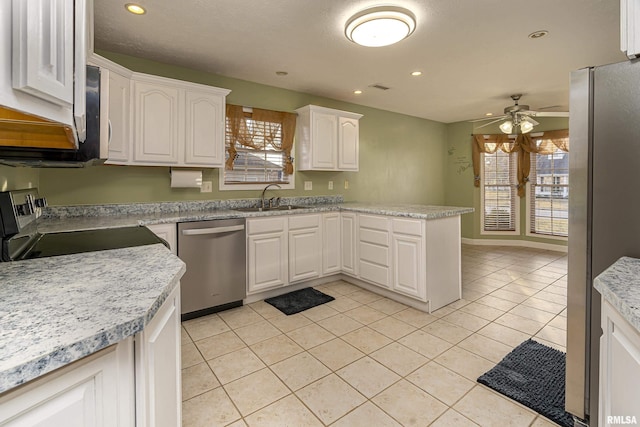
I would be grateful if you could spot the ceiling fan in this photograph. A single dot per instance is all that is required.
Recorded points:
(520, 117)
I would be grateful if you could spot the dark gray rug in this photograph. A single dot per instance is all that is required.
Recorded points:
(534, 375)
(297, 301)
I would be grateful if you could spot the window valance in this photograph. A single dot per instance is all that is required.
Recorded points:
(260, 130)
(523, 145)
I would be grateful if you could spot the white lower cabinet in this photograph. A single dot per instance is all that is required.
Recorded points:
(158, 367)
(348, 243)
(408, 252)
(305, 247)
(267, 254)
(619, 369)
(331, 242)
(374, 252)
(95, 391)
(134, 382)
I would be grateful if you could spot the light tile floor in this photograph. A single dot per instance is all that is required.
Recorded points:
(364, 360)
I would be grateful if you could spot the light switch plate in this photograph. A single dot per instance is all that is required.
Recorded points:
(330, 185)
(207, 187)
(308, 185)
(346, 184)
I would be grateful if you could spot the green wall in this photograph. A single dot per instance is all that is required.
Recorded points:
(15, 178)
(400, 156)
(459, 188)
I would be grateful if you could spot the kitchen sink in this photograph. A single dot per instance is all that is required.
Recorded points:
(275, 208)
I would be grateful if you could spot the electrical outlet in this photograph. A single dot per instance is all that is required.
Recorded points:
(330, 185)
(308, 185)
(346, 184)
(207, 187)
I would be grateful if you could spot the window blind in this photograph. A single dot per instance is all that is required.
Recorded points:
(499, 191)
(549, 194)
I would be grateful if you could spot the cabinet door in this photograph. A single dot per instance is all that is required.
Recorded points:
(158, 367)
(348, 243)
(168, 232)
(630, 28)
(324, 140)
(266, 261)
(619, 368)
(117, 117)
(155, 123)
(43, 49)
(95, 391)
(408, 265)
(204, 139)
(305, 254)
(331, 253)
(348, 144)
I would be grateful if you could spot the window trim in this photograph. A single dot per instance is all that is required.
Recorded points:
(239, 187)
(484, 232)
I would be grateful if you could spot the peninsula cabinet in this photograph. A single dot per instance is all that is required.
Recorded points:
(327, 139)
(619, 369)
(408, 253)
(136, 382)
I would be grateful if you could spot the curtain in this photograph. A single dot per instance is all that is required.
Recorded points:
(523, 145)
(275, 129)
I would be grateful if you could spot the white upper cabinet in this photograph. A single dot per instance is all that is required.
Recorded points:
(176, 123)
(630, 27)
(205, 127)
(43, 58)
(327, 139)
(155, 123)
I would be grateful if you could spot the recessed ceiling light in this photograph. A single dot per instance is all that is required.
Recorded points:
(380, 26)
(357, 92)
(538, 34)
(136, 9)
(416, 73)
(281, 73)
(488, 114)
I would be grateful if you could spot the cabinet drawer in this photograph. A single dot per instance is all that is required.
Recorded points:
(374, 236)
(266, 225)
(374, 253)
(374, 273)
(375, 222)
(412, 227)
(304, 221)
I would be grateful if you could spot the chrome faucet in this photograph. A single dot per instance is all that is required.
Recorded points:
(264, 191)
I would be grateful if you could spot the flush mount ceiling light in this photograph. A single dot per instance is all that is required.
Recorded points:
(136, 9)
(380, 26)
(538, 34)
(357, 92)
(416, 73)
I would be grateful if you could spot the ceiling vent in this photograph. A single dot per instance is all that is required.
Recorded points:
(381, 87)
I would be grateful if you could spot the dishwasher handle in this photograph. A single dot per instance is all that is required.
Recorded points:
(213, 230)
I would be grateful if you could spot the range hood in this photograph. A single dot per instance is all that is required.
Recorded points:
(25, 130)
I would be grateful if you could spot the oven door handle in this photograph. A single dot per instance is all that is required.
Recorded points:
(214, 230)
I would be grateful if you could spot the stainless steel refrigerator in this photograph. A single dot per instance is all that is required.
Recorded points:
(604, 211)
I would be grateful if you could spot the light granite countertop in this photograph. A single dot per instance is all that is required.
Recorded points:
(620, 286)
(121, 218)
(54, 311)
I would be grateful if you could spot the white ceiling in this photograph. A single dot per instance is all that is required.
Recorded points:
(473, 54)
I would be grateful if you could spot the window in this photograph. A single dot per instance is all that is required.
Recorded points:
(500, 205)
(258, 149)
(549, 192)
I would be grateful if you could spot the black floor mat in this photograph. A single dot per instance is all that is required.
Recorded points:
(533, 375)
(297, 301)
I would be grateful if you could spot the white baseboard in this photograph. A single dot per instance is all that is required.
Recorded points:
(519, 243)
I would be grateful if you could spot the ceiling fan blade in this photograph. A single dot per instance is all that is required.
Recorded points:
(550, 113)
(533, 122)
(490, 123)
(488, 118)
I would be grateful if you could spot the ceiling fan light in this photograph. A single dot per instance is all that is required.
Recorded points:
(380, 26)
(507, 126)
(526, 126)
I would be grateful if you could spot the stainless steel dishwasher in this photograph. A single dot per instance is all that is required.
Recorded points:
(215, 255)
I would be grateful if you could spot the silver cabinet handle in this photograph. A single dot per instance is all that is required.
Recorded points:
(215, 230)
